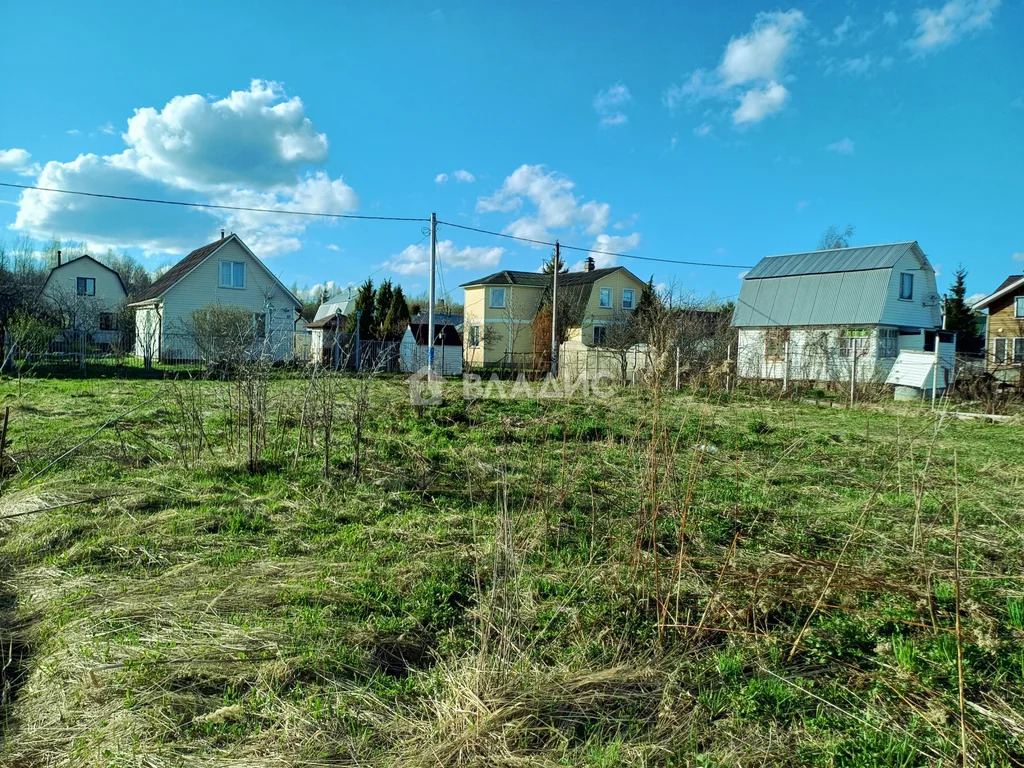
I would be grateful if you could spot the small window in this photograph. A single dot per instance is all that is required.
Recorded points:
(1000, 351)
(232, 274)
(259, 325)
(888, 342)
(108, 321)
(1018, 306)
(600, 334)
(474, 335)
(628, 296)
(906, 285)
(851, 339)
(1018, 350)
(85, 286)
(497, 298)
(606, 298)
(775, 343)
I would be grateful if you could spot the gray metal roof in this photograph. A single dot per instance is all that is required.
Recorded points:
(835, 260)
(836, 298)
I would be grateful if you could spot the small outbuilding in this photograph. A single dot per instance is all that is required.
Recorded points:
(447, 349)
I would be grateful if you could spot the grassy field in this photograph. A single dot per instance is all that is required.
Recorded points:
(673, 580)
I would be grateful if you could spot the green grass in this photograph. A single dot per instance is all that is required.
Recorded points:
(704, 580)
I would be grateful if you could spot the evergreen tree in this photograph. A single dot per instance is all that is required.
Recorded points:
(398, 315)
(549, 265)
(959, 316)
(381, 307)
(365, 303)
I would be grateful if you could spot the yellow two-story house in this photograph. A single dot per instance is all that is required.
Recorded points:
(500, 311)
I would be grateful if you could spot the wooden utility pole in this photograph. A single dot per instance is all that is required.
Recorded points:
(430, 307)
(554, 312)
(853, 371)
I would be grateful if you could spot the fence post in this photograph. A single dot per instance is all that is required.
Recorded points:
(853, 371)
(728, 366)
(82, 339)
(785, 365)
(677, 366)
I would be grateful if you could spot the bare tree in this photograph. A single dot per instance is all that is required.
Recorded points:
(833, 237)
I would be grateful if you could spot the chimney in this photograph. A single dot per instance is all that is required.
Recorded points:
(222, 234)
(58, 258)
(588, 265)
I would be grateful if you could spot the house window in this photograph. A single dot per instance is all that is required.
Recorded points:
(888, 342)
(600, 334)
(628, 296)
(259, 326)
(474, 335)
(108, 321)
(906, 285)
(606, 298)
(851, 339)
(1018, 350)
(1000, 351)
(1018, 306)
(775, 343)
(497, 298)
(85, 286)
(232, 274)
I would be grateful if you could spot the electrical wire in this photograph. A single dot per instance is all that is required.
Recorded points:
(363, 217)
(214, 206)
(592, 250)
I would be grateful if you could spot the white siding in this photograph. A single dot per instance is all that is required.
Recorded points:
(919, 311)
(814, 355)
(83, 312)
(413, 357)
(147, 332)
(201, 288)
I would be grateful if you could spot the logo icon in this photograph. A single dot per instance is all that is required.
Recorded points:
(425, 387)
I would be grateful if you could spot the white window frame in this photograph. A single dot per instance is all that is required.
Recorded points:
(1017, 306)
(632, 298)
(474, 331)
(87, 281)
(995, 350)
(1017, 359)
(908, 296)
(494, 303)
(603, 333)
(220, 274)
(600, 298)
(888, 342)
(850, 337)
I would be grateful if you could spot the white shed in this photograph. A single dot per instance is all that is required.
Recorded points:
(913, 374)
(447, 349)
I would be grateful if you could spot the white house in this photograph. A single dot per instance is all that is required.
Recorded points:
(412, 353)
(87, 295)
(223, 274)
(813, 316)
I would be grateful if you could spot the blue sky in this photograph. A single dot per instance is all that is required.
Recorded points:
(712, 133)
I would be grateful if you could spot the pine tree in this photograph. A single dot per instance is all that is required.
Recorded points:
(959, 316)
(549, 266)
(381, 307)
(397, 318)
(365, 303)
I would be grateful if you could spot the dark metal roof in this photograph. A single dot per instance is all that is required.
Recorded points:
(834, 260)
(1008, 282)
(179, 270)
(444, 335)
(540, 280)
(327, 322)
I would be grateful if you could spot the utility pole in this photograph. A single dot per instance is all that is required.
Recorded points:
(853, 371)
(430, 307)
(935, 369)
(554, 313)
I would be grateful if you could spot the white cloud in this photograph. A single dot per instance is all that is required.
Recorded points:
(17, 160)
(890, 19)
(333, 247)
(441, 178)
(743, 274)
(253, 148)
(801, 205)
(614, 244)
(556, 206)
(940, 27)
(464, 177)
(702, 130)
(974, 298)
(839, 33)
(750, 70)
(844, 146)
(415, 259)
(758, 103)
(610, 104)
(1019, 256)
(73, 132)
(108, 128)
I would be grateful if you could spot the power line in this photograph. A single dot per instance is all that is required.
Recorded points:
(214, 206)
(292, 212)
(592, 250)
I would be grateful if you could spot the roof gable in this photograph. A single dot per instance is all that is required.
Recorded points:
(541, 280)
(99, 263)
(1007, 286)
(444, 335)
(186, 266)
